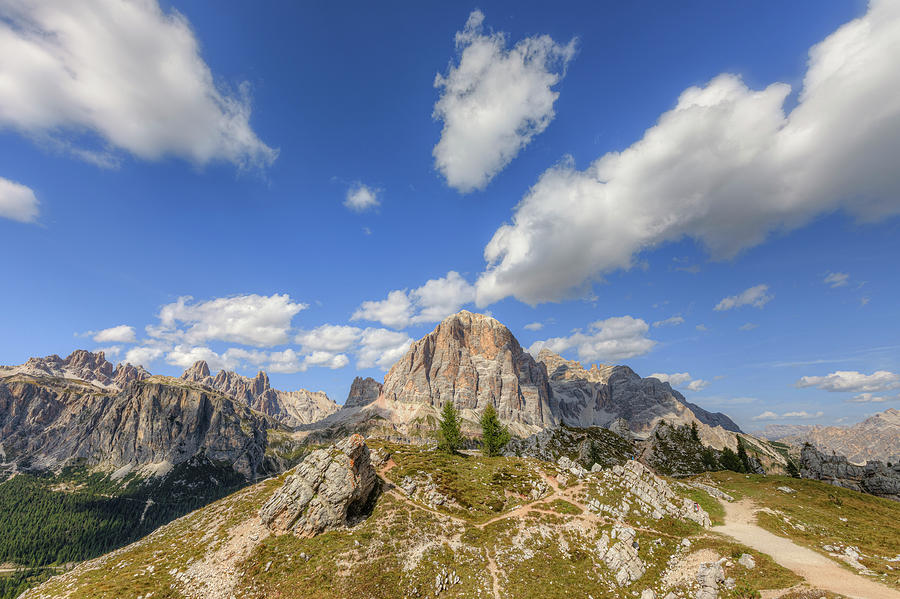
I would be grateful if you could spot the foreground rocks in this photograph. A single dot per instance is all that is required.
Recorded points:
(875, 478)
(323, 492)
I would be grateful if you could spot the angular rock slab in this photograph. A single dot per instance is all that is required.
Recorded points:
(323, 490)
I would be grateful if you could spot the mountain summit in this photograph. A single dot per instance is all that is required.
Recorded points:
(292, 408)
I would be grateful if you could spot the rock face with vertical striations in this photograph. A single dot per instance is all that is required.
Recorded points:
(473, 360)
(363, 391)
(325, 491)
(600, 395)
(155, 423)
(292, 408)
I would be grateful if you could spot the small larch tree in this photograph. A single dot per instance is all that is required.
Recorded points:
(494, 435)
(451, 437)
(743, 457)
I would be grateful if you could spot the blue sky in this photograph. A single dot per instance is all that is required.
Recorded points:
(326, 182)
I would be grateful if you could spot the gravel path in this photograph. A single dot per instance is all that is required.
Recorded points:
(818, 570)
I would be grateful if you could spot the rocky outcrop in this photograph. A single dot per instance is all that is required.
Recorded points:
(875, 438)
(82, 365)
(325, 491)
(472, 360)
(363, 391)
(152, 424)
(292, 408)
(875, 478)
(586, 446)
(640, 493)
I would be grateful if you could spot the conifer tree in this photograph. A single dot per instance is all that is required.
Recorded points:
(451, 437)
(742, 456)
(494, 435)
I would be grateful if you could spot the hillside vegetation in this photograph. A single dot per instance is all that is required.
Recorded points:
(441, 525)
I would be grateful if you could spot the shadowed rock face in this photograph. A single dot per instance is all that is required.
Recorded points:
(323, 491)
(600, 395)
(875, 478)
(47, 423)
(473, 360)
(291, 408)
(363, 391)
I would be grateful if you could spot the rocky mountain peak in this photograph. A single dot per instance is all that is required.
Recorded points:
(472, 360)
(292, 408)
(558, 368)
(81, 364)
(197, 373)
(260, 382)
(363, 391)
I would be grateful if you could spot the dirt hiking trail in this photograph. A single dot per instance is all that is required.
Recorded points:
(819, 571)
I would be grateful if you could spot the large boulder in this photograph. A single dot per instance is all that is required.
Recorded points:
(325, 491)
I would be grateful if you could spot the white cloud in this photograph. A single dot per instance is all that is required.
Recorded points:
(767, 415)
(120, 334)
(676, 379)
(329, 337)
(361, 198)
(433, 301)
(681, 379)
(494, 101)
(748, 326)
(144, 355)
(726, 167)
(870, 398)
(185, 356)
(289, 361)
(127, 72)
(614, 339)
(393, 311)
(111, 352)
(836, 279)
(697, 385)
(702, 327)
(239, 355)
(255, 320)
(534, 326)
(755, 296)
(671, 321)
(853, 381)
(801, 415)
(439, 298)
(17, 202)
(381, 347)
(326, 359)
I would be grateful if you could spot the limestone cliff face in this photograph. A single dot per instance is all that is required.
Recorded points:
(875, 478)
(473, 360)
(92, 367)
(601, 394)
(292, 408)
(153, 423)
(363, 391)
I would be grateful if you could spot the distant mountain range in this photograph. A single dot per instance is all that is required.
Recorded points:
(875, 438)
(54, 410)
